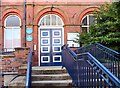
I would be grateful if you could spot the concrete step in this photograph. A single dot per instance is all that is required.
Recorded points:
(23, 66)
(22, 69)
(18, 82)
(45, 77)
(52, 83)
(48, 70)
(64, 76)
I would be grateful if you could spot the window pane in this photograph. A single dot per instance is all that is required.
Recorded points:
(57, 58)
(45, 41)
(59, 21)
(91, 20)
(16, 43)
(57, 49)
(56, 33)
(16, 37)
(8, 38)
(8, 34)
(45, 48)
(84, 22)
(16, 33)
(48, 20)
(45, 34)
(12, 38)
(42, 22)
(45, 59)
(12, 21)
(53, 20)
(56, 41)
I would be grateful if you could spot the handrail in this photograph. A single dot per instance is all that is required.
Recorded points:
(113, 52)
(104, 69)
(108, 57)
(29, 69)
(85, 65)
(104, 48)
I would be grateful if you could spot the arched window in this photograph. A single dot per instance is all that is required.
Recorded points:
(12, 32)
(87, 21)
(51, 20)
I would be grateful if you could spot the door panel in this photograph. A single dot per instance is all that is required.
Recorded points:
(50, 47)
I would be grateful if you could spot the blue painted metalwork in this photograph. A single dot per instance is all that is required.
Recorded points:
(86, 71)
(29, 69)
(108, 57)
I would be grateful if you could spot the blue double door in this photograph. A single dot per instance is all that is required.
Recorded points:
(51, 41)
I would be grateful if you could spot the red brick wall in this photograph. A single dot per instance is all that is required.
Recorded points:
(11, 63)
(70, 12)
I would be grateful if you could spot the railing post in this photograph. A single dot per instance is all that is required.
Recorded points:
(29, 69)
(78, 74)
(98, 74)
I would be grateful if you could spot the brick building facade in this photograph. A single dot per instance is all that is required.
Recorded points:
(46, 24)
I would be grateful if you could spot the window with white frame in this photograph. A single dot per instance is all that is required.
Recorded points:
(12, 32)
(71, 38)
(87, 21)
(51, 20)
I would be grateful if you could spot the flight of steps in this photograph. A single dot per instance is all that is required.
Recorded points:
(50, 77)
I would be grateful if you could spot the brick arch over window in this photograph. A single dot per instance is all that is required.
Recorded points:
(86, 12)
(12, 32)
(46, 11)
(9, 31)
(11, 11)
(8, 12)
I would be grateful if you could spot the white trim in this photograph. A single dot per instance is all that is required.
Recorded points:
(9, 16)
(39, 34)
(42, 61)
(49, 27)
(44, 17)
(11, 28)
(45, 39)
(54, 49)
(45, 31)
(57, 31)
(57, 56)
(88, 21)
(54, 41)
(45, 51)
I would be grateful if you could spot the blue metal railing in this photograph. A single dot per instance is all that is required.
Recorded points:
(29, 69)
(108, 57)
(86, 71)
(99, 46)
